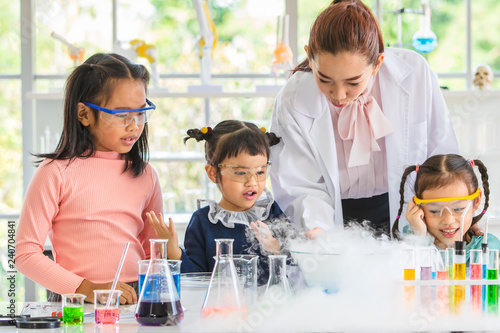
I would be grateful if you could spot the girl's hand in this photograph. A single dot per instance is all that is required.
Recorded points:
(477, 230)
(166, 232)
(415, 215)
(314, 233)
(265, 238)
(87, 288)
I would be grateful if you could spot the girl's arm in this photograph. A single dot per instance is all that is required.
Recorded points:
(195, 248)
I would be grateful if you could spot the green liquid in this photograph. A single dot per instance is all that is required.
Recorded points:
(492, 292)
(73, 315)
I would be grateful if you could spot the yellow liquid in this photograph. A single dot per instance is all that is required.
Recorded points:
(459, 291)
(408, 274)
(460, 271)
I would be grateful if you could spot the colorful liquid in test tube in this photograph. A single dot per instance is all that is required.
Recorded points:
(484, 248)
(450, 267)
(492, 290)
(409, 273)
(476, 267)
(460, 271)
(426, 292)
(442, 274)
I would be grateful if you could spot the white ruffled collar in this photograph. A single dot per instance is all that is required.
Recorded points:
(260, 211)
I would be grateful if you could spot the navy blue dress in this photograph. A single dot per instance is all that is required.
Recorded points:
(199, 245)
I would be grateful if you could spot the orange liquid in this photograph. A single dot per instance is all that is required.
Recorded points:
(409, 274)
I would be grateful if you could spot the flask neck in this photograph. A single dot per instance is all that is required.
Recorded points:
(158, 249)
(224, 248)
(277, 265)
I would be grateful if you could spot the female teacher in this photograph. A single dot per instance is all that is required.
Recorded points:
(351, 117)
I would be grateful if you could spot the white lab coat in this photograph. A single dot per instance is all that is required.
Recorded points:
(304, 172)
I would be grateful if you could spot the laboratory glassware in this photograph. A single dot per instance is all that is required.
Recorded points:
(224, 295)
(278, 281)
(159, 303)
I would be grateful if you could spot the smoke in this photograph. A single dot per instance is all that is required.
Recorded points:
(355, 284)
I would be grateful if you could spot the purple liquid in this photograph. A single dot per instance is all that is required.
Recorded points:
(159, 314)
(425, 273)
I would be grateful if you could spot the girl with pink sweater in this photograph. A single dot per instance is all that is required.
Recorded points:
(90, 196)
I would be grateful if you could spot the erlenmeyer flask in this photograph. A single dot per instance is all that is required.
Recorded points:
(224, 294)
(159, 303)
(278, 282)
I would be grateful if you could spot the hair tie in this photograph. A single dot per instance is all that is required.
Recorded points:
(417, 167)
(484, 211)
(398, 217)
(263, 129)
(471, 162)
(206, 130)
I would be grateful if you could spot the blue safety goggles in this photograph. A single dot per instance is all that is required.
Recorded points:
(123, 118)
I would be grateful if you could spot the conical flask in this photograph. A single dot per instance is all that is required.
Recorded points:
(224, 294)
(278, 281)
(159, 303)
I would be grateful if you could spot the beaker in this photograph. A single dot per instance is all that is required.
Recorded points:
(278, 282)
(175, 269)
(159, 303)
(224, 294)
(72, 308)
(246, 267)
(107, 313)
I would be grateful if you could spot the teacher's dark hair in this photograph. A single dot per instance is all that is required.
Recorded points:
(344, 26)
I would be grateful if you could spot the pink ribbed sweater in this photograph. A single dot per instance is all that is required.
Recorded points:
(89, 209)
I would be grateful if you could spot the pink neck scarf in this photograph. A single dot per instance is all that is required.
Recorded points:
(363, 122)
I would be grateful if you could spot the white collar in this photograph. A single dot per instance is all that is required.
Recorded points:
(259, 211)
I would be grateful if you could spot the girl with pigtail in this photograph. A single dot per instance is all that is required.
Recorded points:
(237, 155)
(445, 188)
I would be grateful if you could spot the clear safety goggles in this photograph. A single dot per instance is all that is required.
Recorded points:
(123, 118)
(455, 206)
(243, 174)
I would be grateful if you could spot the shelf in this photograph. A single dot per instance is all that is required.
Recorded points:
(481, 94)
(36, 95)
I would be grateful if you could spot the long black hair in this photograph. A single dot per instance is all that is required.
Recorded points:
(94, 82)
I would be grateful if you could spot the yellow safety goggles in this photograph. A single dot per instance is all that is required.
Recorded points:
(455, 206)
(471, 197)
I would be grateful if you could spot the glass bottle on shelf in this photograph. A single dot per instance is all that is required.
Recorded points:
(159, 303)
(224, 295)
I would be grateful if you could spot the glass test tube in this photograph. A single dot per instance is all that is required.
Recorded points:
(460, 271)
(426, 292)
(450, 267)
(442, 274)
(484, 249)
(492, 290)
(409, 273)
(476, 266)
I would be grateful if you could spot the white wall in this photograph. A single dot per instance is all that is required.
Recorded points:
(476, 119)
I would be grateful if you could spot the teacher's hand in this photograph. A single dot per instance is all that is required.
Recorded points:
(314, 233)
(415, 215)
